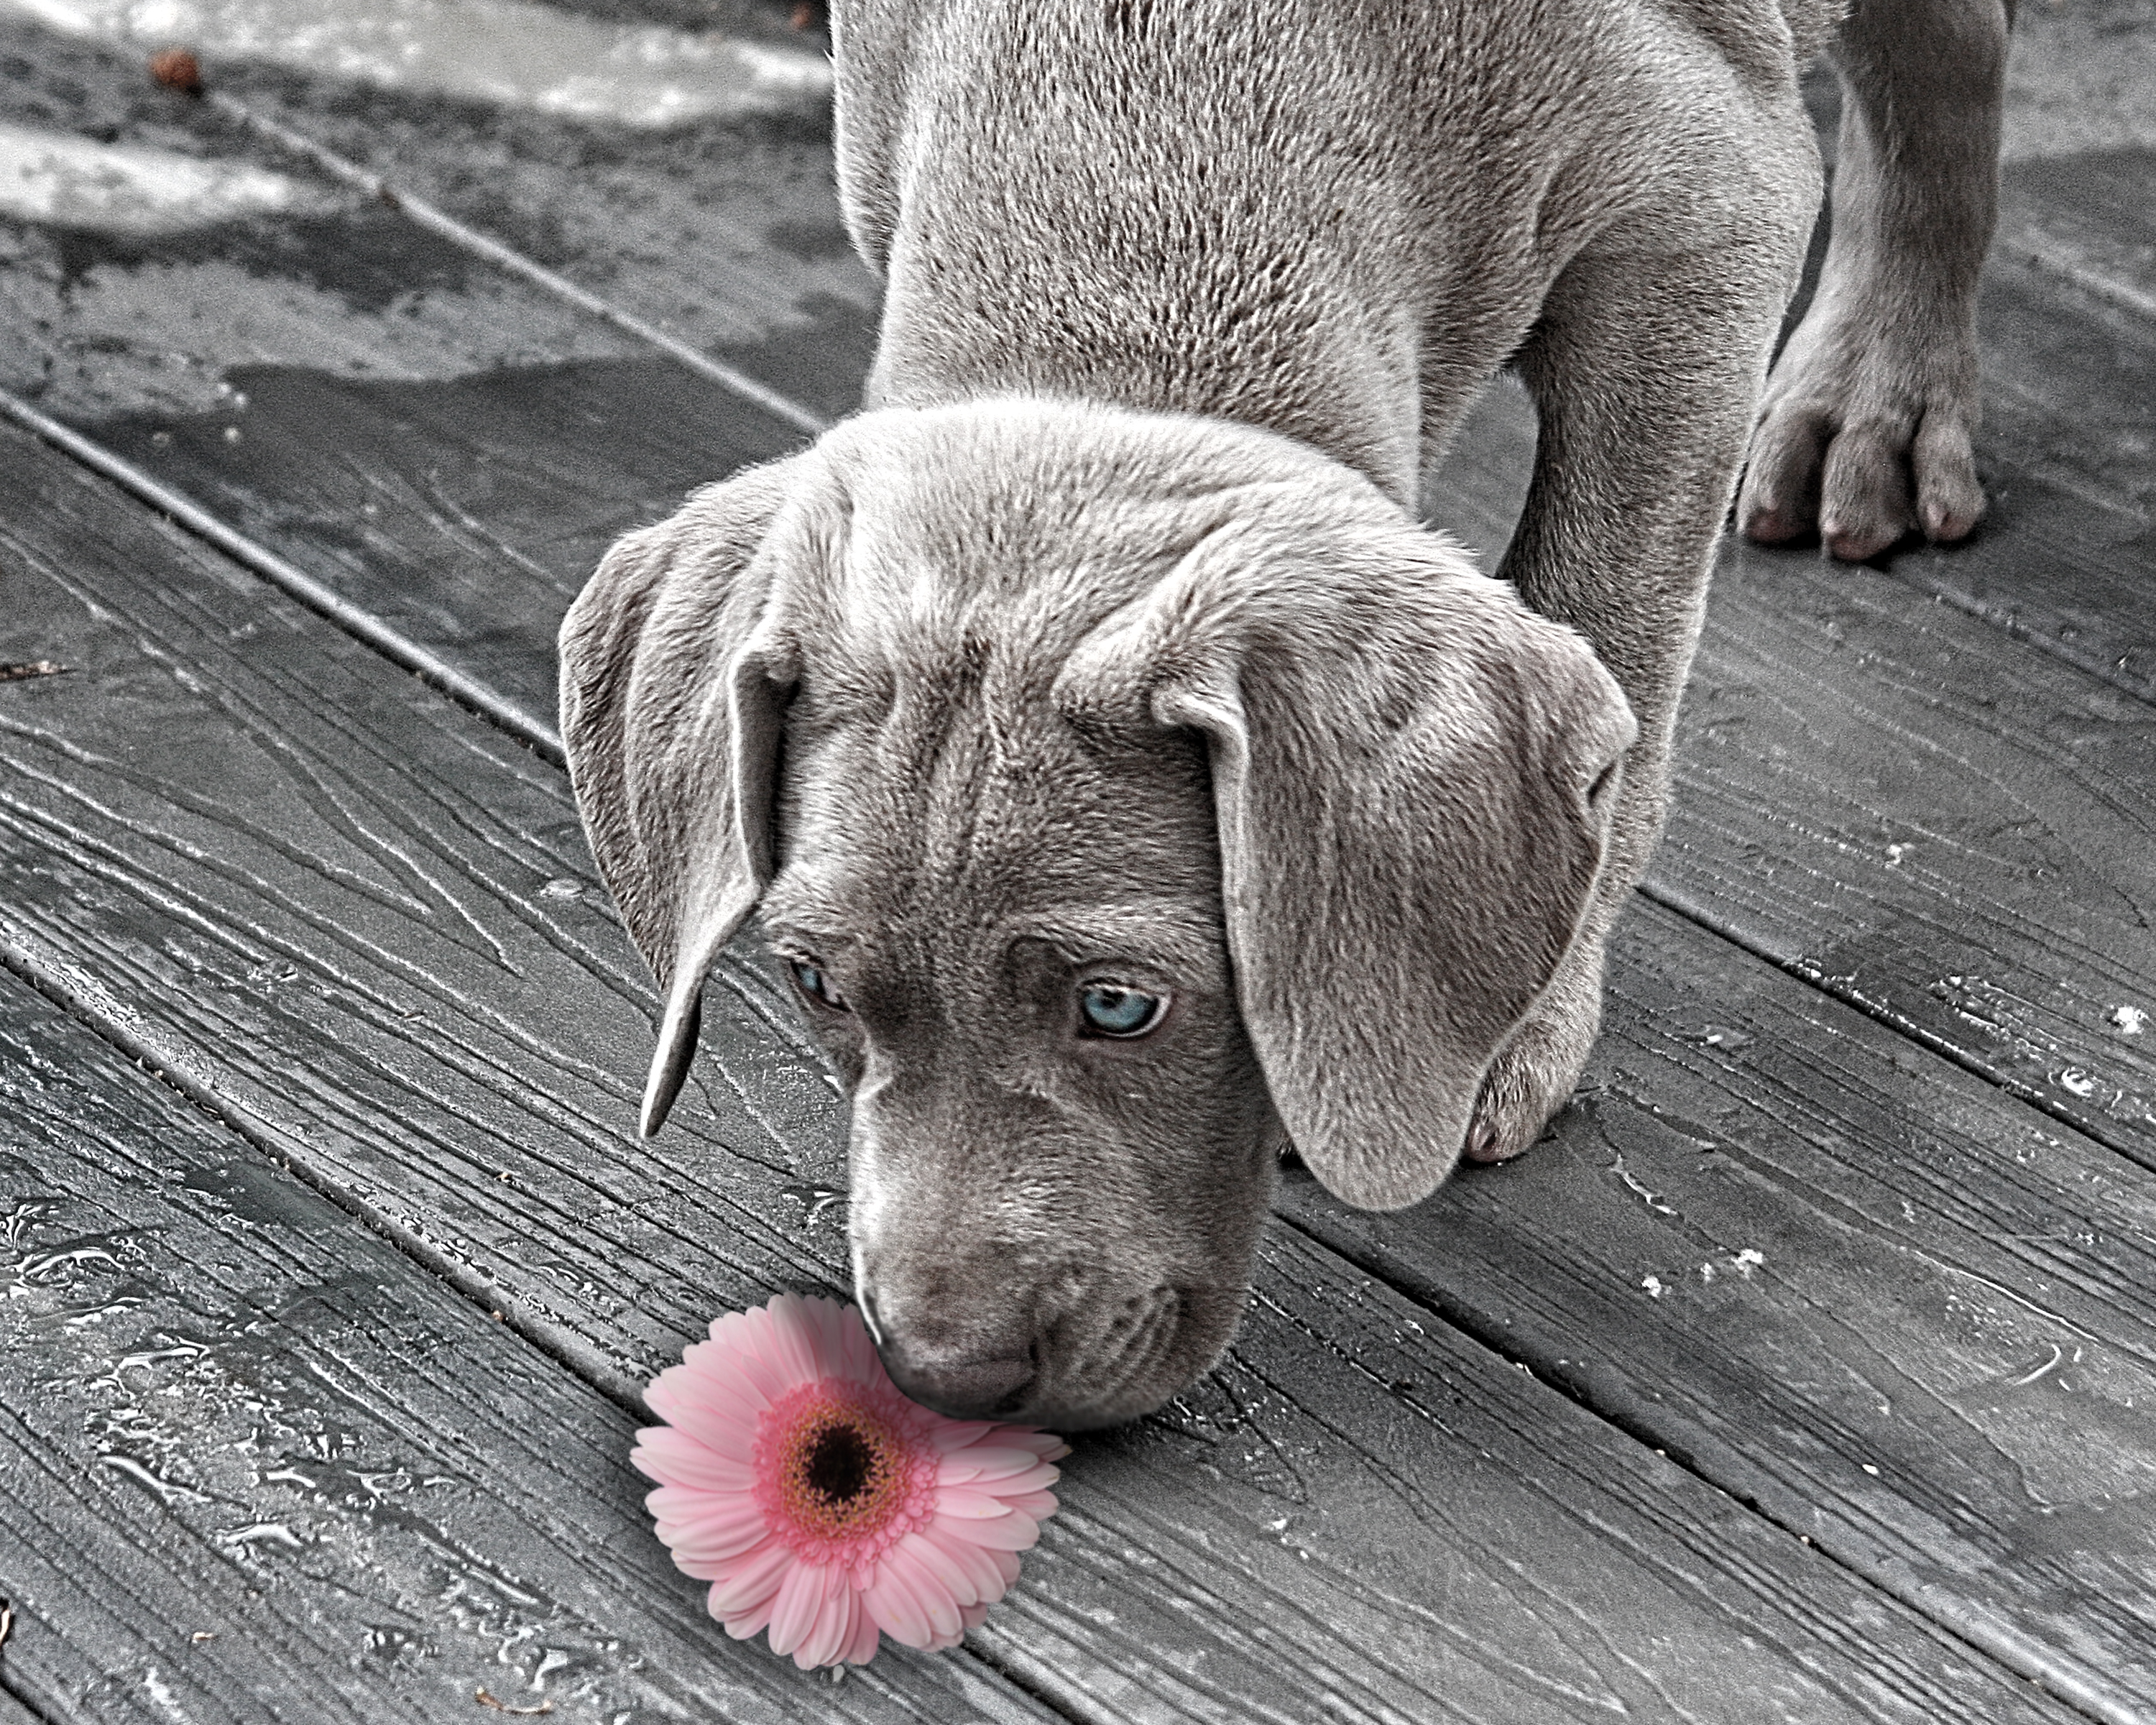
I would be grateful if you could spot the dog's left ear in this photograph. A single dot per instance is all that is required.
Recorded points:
(1414, 776)
(675, 672)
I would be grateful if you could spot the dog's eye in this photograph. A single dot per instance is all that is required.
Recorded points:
(812, 979)
(1110, 1010)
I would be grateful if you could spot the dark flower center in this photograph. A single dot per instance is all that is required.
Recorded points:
(839, 1464)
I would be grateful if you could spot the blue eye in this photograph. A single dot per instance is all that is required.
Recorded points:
(1111, 1010)
(812, 980)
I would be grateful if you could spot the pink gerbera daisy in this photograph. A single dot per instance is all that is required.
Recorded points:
(820, 1503)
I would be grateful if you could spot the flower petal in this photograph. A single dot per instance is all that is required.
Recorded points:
(673, 1458)
(1035, 1478)
(969, 1504)
(984, 1462)
(713, 1370)
(745, 1359)
(833, 1629)
(866, 1633)
(985, 1580)
(1040, 1505)
(800, 1601)
(752, 1577)
(857, 1355)
(748, 1623)
(719, 1435)
(1043, 1444)
(892, 1602)
(955, 1578)
(902, 1562)
(723, 1531)
(788, 1341)
(1014, 1532)
(956, 1433)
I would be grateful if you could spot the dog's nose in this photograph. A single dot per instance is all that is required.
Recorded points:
(960, 1385)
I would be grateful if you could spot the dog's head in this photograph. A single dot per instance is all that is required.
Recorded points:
(1129, 797)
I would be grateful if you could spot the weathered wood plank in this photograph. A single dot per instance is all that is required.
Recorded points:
(13, 1712)
(725, 235)
(1904, 1314)
(354, 390)
(255, 1465)
(1878, 792)
(465, 512)
(250, 847)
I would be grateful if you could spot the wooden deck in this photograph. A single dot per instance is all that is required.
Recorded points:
(1807, 1373)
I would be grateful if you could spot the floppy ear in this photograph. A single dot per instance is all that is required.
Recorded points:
(675, 677)
(1414, 776)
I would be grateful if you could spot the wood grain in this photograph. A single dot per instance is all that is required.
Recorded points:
(244, 846)
(726, 235)
(467, 512)
(1881, 795)
(255, 1465)
(13, 1712)
(1904, 1314)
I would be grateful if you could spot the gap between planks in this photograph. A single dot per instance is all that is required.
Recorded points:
(355, 620)
(2017, 1654)
(342, 168)
(1679, 904)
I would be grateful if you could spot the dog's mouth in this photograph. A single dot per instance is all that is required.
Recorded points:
(1117, 1374)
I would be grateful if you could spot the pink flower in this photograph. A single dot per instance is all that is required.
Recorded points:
(820, 1502)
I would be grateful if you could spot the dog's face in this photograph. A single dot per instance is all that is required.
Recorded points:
(1008, 933)
(1127, 796)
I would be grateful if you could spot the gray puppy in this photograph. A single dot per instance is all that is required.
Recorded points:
(1133, 787)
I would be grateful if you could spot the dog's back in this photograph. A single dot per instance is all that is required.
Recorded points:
(1216, 192)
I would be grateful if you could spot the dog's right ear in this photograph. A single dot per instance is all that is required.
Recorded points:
(675, 672)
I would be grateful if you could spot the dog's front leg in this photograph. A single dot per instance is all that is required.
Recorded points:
(1644, 371)
(1865, 430)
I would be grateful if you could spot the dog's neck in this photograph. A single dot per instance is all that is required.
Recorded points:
(1192, 266)
(1297, 355)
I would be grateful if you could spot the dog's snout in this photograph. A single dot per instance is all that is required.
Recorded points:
(959, 1383)
(959, 1341)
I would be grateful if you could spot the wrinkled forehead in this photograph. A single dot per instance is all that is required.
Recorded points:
(959, 807)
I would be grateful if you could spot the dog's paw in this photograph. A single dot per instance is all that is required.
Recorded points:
(1534, 1076)
(1863, 435)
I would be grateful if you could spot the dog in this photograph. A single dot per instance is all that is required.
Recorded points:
(1133, 788)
